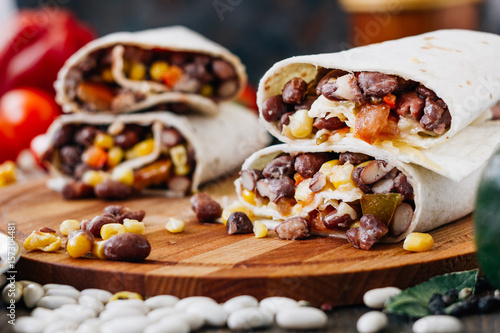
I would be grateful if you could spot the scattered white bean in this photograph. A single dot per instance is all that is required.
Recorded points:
(110, 314)
(161, 301)
(157, 314)
(56, 286)
(184, 303)
(91, 302)
(91, 325)
(249, 318)
(438, 324)
(376, 298)
(213, 313)
(54, 302)
(67, 292)
(372, 322)
(172, 324)
(195, 321)
(132, 324)
(100, 294)
(128, 303)
(12, 292)
(301, 318)
(61, 326)
(44, 314)
(275, 303)
(32, 293)
(75, 312)
(25, 283)
(29, 325)
(240, 302)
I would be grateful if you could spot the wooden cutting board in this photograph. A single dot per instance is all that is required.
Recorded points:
(204, 260)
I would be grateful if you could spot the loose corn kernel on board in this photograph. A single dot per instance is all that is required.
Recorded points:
(204, 260)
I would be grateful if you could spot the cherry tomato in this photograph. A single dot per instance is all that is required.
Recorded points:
(24, 113)
(249, 98)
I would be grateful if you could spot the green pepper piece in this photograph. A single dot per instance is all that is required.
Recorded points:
(381, 206)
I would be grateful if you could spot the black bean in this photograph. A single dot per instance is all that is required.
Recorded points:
(222, 69)
(112, 190)
(94, 226)
(377, 84)
(305, 104)
(318, 182)
(410, 103)
(279, 167)
(309, 163)
(436, 304)
(294, 228)
(127, 247)
(284, 120)
(488, 304)
(353, 158)
(470, 304)
(171, 137)
(294, 91)
(426, 93)
(85, 136)
(70, 155)
(403, 187)
(249, 178)
(450, 297)
(76, 190)
(330, 124)
(275, 189)
(333, 220)
(482, 286)
(126, 139)
(239, 223)
(273, 108)
(63, 136)
(206, 209)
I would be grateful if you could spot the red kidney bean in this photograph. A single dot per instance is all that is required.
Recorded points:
(284, 120)
(273, 108)
(63, 136)
(70, 155)
(76, 190)
(274, 189)
(356, 177)
(330, 124)
(377, 84)
(385, 185)
(294, 228)
(426, 93)
(127, 139)
(222, 69)
(47, 229)
(85, 136)
(374, 171)
(367, 234)
(305, 104)
(353, 158)
(294, 91)
(94, 226)
(279, 167)
(112, 190)
(206, 209)
(435, 118)
(227, 89)
(198, 72)
(403, 187)
(239, 223)
(325, 79)
(318, 182)
(333, 220)
(309, 163)
(171, 137)
(127, 247)
(180, 184)
(401, 219)
(121, 213)
(249, 178)
(410, 103)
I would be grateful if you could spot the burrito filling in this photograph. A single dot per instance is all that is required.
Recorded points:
(114, 161)
(348, 194)
(117, 77)
(372, 106)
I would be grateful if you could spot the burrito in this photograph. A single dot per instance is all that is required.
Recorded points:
(172, 69)
(113, 156)
(417, 91)
(350, 192)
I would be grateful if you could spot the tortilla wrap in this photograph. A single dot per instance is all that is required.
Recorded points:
(176, 38)
(433, 194)
(220, 144)
(460, 66)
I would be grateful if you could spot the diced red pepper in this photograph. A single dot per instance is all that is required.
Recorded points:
(390, 100)
(95, 157)
(172, 75)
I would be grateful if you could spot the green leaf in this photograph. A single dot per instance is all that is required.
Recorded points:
(414, 301)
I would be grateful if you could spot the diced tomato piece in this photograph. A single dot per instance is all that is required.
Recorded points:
(172, 75)
(298, 178)
(374, 122)
(95, 157)
(390, 100)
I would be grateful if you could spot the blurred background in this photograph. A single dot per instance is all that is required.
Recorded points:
(34, 44)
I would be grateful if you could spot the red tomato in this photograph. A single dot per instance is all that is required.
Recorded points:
(24, 114)
(249, 98)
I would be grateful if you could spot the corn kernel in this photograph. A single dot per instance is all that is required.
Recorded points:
(182, 170)
(94, 177)
(326, 167)
(341, 175)
(302, 191)
(107, 75)
(235, 206)
(7, 173)
(45, 241)
(142, 148)
(179, 157)
(103, 140)
(79, 243)
(418, 242)
(158, 68)
(124, 295)
(123, 175)
(207, 90)
(300, 124)
(111, 229)
(248, 196)
(115, 156)
(137, 71)
(175, 225)
(354, 225)
(134, 226)
(98, 250)
(68, 226)
(126, 66)
(259, 229)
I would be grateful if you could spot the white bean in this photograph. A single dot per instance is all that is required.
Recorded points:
(184, 303)
(56, 286)
(26, 283)
(275, 303)
(54, 302)
(67, 292)
(32, 294)
(195, 321)
(110, 314)
(161, 301)
(249, 318)
(29, 325)
(372, 322)
(157, 314)
(240, 302)
(91, 302)
(213, 313)
(172, 324)
(61, 326)
(128, 303)
(100, 294)
(75, 312)
(376, 298)
(44, 314)
(133, 324)
(302, 318)
(438, 324)
(91, 325)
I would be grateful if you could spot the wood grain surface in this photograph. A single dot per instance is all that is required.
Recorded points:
(204, 260)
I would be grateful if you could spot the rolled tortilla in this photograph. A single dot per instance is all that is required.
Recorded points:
(460, 66)
(103, 62)
(211, 147)
(436, 200)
